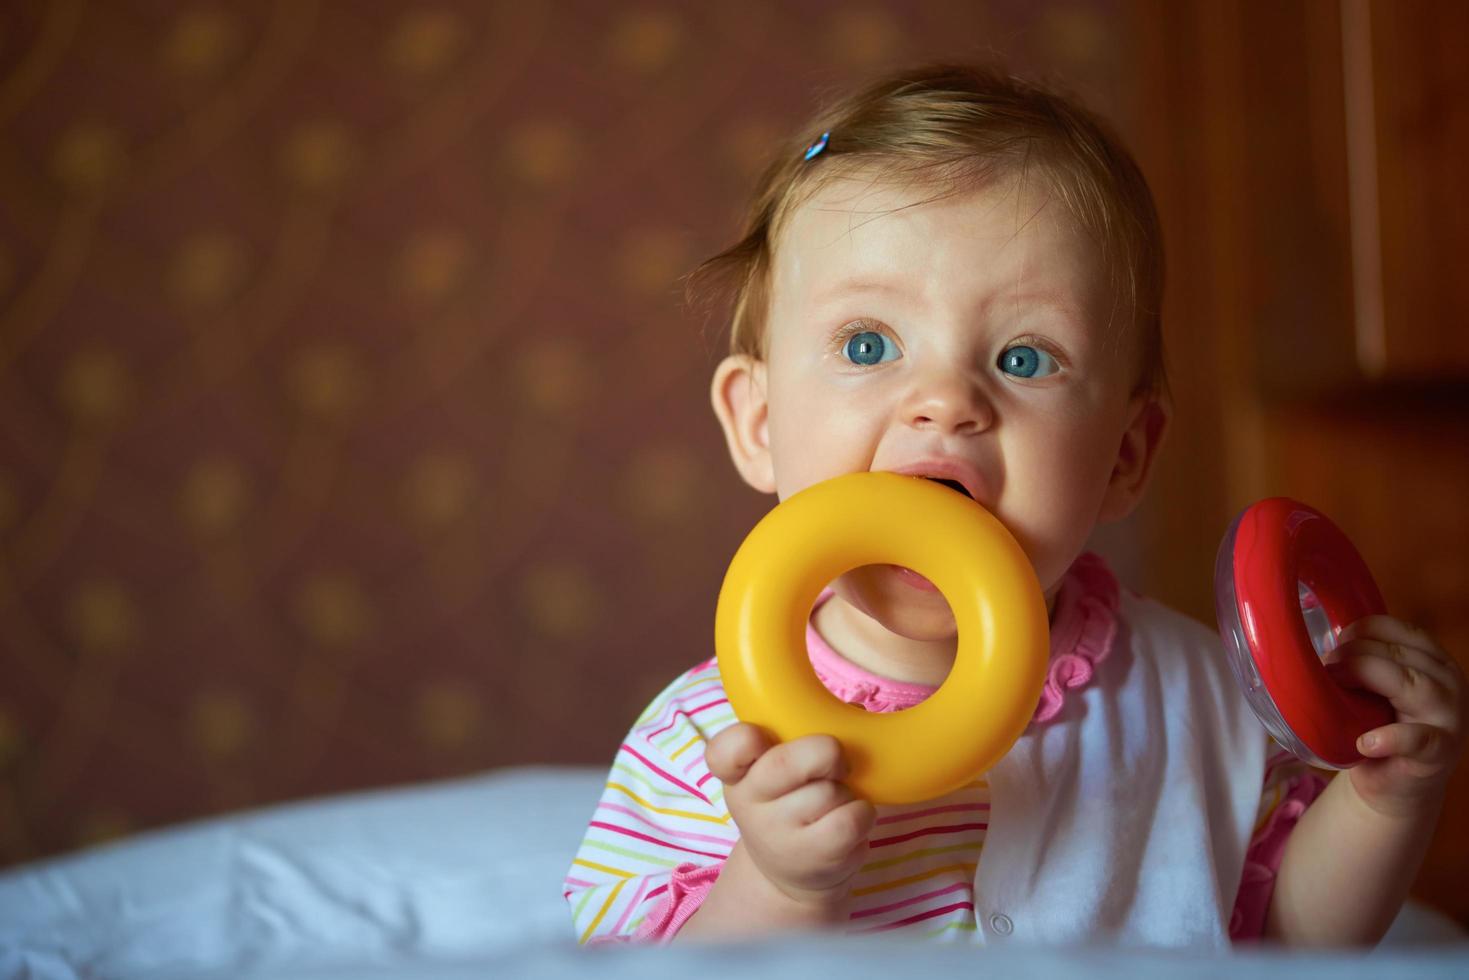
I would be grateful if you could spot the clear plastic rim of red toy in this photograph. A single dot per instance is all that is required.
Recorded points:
(1272, 549)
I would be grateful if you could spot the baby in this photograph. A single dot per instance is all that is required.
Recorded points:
(961, 278)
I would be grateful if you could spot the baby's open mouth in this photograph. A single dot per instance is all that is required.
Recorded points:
(951, 484)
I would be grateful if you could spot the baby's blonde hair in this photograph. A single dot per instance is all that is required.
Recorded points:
(955, 126)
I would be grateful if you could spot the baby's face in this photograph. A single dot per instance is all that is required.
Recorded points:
(967, 337)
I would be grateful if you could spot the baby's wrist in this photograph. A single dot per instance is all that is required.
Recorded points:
(745, 902)
(802, 907)
(819, 906)
(1423, 803)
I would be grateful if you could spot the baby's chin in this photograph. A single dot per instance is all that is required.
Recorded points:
(900, 601)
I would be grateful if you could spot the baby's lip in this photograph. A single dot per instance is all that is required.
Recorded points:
(915, 578)
(952, 468)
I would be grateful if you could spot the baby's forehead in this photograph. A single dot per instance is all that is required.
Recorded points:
(866, 224)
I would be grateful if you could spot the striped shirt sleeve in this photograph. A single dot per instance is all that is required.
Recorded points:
(660, 831)
(1290, 786)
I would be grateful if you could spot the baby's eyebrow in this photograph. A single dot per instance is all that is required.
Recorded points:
(1051, 298)
(858, 284)
(1032, 298)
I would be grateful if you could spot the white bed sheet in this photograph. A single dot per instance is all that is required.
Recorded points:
(462, 879)
(454, 869)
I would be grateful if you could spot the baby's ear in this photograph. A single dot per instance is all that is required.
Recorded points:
(1147, 423)
(738, 395)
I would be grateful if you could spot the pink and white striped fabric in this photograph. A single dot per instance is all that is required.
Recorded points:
(661, 831)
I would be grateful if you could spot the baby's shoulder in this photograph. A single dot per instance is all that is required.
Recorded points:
(694, 705)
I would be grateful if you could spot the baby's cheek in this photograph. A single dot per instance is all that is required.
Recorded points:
(1054, 512)
(1050, 547)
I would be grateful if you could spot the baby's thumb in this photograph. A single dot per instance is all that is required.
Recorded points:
(732, 752)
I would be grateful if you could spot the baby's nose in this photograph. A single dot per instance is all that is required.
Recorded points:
(951, 404)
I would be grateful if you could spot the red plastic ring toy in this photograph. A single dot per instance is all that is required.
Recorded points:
(1281, 565)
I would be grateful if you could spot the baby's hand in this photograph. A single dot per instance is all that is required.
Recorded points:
(802, 827)
(1409, 761)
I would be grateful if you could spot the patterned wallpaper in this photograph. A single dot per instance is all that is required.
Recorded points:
(351, 430)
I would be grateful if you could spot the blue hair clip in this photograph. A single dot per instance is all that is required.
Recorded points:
(815, 148)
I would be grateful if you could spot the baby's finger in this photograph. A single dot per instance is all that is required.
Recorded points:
(1389, 629)
(795, 763)
(810, 802)
(843, 828)
(730, 754)
(1424, 743)
(1400, 676)
(1445, 671)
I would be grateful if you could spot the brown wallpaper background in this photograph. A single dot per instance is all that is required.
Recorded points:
(351, 429)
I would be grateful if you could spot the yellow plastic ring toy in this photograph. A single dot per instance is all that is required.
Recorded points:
(860, 519)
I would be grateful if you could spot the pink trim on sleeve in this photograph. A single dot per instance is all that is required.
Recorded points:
(1263, 857)
(687, 890)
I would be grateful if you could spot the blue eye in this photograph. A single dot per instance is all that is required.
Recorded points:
(869, 347)
(1027, 362)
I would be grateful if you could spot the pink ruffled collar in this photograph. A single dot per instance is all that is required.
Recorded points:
(1083, 628)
